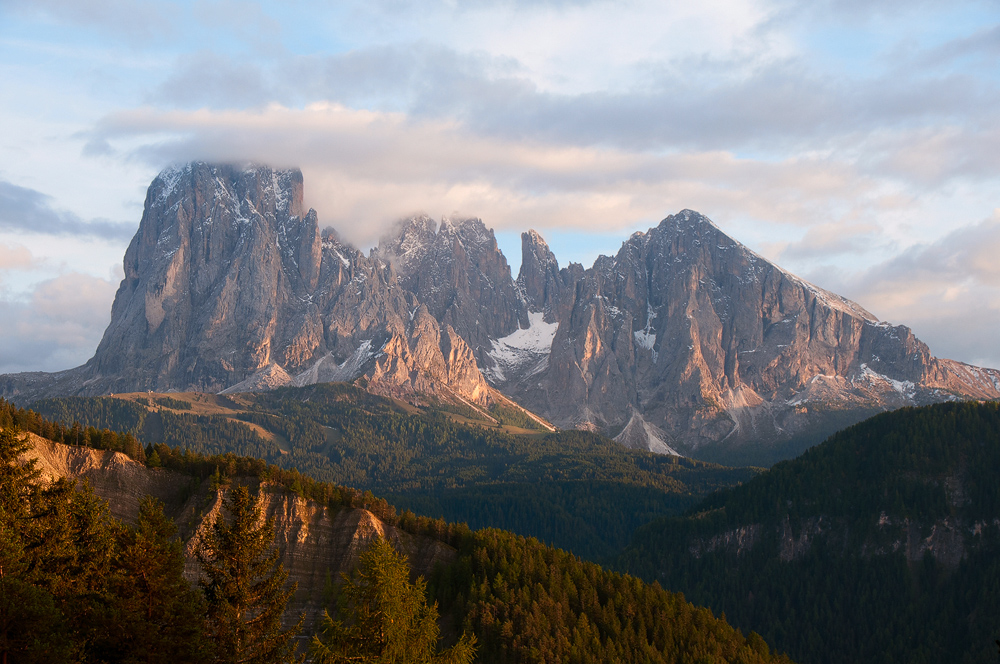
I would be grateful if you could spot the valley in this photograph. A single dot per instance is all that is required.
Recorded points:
(573, 489)
(524, 601)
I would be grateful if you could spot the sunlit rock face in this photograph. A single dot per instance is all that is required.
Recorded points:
(718, 349)
(684, 341)
(230, 285)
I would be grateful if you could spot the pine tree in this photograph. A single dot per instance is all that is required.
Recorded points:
(160, 616)
(244, 585)
(388, 618)
(31, 624)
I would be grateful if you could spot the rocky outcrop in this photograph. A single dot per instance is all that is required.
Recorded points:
(719, 349)
(539, 279)
(315, 542)
(460, 274)
(229, 286)
(685, 340)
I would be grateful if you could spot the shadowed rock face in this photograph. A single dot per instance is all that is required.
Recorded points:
(313, 540)
(539, 279)
(703, 346)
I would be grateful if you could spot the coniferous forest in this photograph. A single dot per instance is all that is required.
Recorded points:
(517, 599)
(880, 544)
(573, 489)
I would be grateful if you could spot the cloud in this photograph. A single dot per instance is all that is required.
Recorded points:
(947, 291)
(827, 240)
(367, 168)
(58, 326)
(131, 20)
(16, 257)
(26, 210)
(213, 79)
(924, 128)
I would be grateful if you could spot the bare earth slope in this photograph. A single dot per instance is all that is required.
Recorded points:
(314, 542)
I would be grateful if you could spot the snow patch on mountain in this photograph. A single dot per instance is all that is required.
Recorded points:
(904, 387)
(522, 347)
(646, 338)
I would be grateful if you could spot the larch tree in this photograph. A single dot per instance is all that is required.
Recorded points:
(244, 586)
(386, 618)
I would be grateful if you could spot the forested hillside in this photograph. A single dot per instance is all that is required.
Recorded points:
(576, 490)
(881, 544)
(524, 601)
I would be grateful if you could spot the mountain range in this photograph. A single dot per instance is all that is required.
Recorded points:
(684, 341)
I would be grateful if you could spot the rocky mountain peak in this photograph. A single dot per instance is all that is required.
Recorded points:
(538, 278)
(407, 244)
(684, 338)
(716, 348)
(229, 285)
(687, 221)
(471, 232)
(460, 274)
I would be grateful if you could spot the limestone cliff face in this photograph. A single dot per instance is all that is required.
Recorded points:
(685, 338)
(224, 259)
(313, 540)
(460, 274)
(713, 345)
(229, 286)
(539, 279)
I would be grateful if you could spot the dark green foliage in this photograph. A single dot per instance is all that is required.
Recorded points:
(29, 613)
(97, 412)
(155, 603)
(514, 417)
(170, 402)
(524, 602)
(384, 618)
(120, 414)
(852, 596)
(530, 603)
(77, 586)
(593, 519)
(244, 586)
(435, 466)
(214, 434)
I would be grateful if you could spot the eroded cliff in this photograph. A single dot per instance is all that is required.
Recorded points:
(315, 542)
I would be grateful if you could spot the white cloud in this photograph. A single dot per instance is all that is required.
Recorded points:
(58, 326)
(369, 168)
(947, 291)
(15, 257)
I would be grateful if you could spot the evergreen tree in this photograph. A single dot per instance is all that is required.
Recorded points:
(244, 585)
(389, 620)
(31, 624)
(161, 617)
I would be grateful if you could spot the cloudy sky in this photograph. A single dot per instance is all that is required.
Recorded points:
(854, 142)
